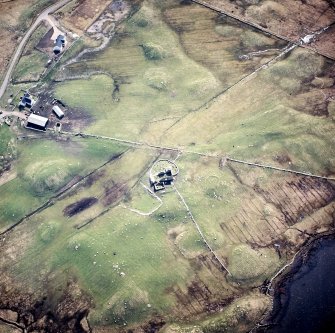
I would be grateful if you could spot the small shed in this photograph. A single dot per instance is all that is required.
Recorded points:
(58, 111)
(36, 122)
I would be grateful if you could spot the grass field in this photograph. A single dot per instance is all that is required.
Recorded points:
(32, 61)
(268, 122)
(45, 167)
(99, 255)
(159, 86)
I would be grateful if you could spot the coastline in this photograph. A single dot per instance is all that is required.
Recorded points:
(280, 286)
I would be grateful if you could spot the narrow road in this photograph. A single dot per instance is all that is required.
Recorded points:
(42, 17)
(4, 114)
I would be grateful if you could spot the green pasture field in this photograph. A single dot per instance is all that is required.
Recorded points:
(148, 89)
(5, 137)
(118, 242)
(140, 199)
(43, 168)
(30, 66)
(144, 72)
(263, 123)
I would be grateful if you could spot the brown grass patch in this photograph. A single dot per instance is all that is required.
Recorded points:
(82, 14)
(218, 42)
(291, 19)
(113, 192)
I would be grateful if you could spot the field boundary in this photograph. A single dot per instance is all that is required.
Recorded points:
(200, 232)
(145, 145)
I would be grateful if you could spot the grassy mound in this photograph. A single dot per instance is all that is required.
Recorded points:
(227, 30)
(48, 231)
(248, 265)
(7, 148)
(153, 51)
(254, 40)
(265, 11)
(157, 78)
(43, 177)
(239, 317)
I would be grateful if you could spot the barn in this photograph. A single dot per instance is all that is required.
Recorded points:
(36, 122)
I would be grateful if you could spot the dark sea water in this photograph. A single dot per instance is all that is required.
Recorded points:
(307, 300)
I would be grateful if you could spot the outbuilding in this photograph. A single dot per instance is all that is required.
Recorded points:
(26, 101)
(60, 44)
(36, 122)
(58, 111)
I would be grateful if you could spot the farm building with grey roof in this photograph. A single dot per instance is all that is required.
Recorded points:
(36, 122)
(58, 111)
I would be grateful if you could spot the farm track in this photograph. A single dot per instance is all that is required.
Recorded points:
(136, 211)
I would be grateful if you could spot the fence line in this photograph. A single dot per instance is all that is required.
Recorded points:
(265, 166)
(205, 154)
(200, 232)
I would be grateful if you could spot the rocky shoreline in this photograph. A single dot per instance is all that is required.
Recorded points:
(280, 287)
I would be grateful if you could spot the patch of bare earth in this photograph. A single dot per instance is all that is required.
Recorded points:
(82, 14)
(113, 192)
(76, 119)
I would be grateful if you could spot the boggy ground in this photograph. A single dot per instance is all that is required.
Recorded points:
(136, 271)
